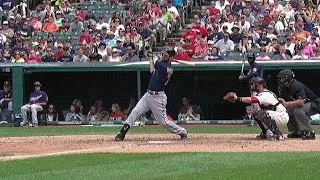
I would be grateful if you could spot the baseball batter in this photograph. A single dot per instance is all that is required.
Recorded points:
(266, 108)
(155, 98)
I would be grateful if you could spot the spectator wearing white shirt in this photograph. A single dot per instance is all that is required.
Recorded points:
(270, 32)
(290, 45)
(221, 4)
(230, 23)
(277, 7)
(279, 26)
(101, 24)
(225, 45)
(243, 24)
(248, 16)
(80, 57)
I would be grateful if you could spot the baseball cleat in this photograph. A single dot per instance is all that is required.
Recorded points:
(308, 135)
(294, 135)
(183, 136)
(120, 136)
(278, 135)
(261, 136)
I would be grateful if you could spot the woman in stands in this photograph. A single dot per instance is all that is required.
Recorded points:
(16, 57)
(288, 13)
(102, 50)
(74, 114)
(33, 58)
(245, 44)
(6, 50)
(118, 25)
(51, 114)
(263, 55)
(36, 23)
(116, 113)
(115, 57)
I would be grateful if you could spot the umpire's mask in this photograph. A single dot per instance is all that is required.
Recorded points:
(285, 77)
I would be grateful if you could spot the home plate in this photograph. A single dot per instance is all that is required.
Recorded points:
(159, 142)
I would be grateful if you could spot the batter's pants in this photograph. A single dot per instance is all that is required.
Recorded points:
(33, 108)
(156, 102)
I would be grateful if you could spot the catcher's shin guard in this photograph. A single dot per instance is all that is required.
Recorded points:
(264, 130)
(264, 117)
(120, 136)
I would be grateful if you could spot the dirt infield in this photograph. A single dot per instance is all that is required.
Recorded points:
(29, 147)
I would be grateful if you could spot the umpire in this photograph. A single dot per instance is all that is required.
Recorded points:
(301, 103)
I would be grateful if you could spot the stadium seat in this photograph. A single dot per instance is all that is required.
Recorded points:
(235, 56)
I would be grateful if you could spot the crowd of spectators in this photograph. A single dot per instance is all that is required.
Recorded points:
(119, 30)
(84, 31)
(273, 29)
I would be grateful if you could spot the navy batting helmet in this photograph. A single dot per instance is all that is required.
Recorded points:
(251, 57)
(255, 82)
(285, 77)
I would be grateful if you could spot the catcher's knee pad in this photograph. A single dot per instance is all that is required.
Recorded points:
(264, 117)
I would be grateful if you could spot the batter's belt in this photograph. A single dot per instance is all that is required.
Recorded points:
(155, 92)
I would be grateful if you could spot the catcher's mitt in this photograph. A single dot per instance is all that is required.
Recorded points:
(230, 96)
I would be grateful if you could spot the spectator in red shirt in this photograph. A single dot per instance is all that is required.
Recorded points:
(50, 26)
(64, 27)
(189, 47)
(198, 26)
(116, 113)
(188, 33)
(85, 37)
(58, 54)
(213, 9)
(267, 17)
(181, 55)
(80, 14)
(33, 58)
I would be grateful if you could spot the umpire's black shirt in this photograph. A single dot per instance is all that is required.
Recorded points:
(298, 90)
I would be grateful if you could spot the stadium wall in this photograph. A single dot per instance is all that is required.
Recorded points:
(205, 84)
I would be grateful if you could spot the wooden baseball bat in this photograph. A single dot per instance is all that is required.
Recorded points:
(242, 67)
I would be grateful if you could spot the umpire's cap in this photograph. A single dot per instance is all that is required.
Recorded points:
(37, 83)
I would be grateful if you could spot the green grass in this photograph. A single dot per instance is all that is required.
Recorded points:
(80, 130)
(166, 166)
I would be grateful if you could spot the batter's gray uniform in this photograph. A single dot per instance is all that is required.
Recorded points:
(155, 100)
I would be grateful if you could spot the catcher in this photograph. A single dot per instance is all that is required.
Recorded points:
(265, 108)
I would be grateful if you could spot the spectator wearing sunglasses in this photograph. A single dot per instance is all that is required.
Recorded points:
(49, 56)
(225, 45)
(51, 114)
(17, 57)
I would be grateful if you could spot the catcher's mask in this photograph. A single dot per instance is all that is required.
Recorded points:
(285, 77)
(255, 82)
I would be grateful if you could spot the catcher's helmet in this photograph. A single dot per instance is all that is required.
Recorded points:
(285, 77)
(251, 57)
(255, 82)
